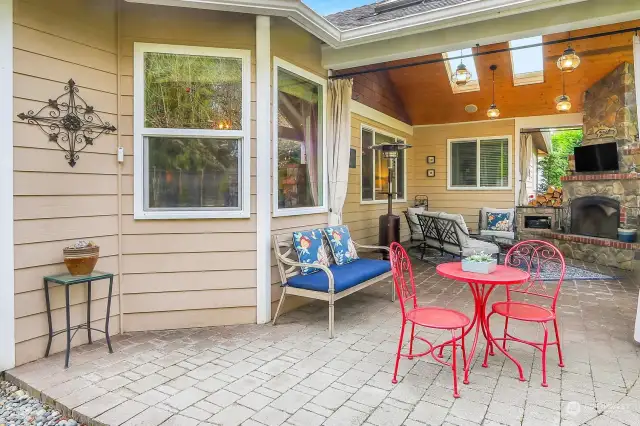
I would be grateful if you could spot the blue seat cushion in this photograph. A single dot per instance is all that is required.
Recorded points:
(345, 276)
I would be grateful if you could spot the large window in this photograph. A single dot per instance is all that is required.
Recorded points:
(191, 130)
(479, 163)
(300, 172)
(375, 168)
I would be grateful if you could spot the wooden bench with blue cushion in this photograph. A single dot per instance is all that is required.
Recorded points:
(330, 283)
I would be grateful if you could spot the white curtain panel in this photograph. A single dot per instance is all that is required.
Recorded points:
(338, 145)
(526, 151)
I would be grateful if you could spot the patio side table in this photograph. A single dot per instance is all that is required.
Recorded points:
(67, 280)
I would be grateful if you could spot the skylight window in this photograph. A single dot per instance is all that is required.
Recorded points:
(527, 64)
(451, 65)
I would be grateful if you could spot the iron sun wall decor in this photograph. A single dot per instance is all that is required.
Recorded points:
(69, 122)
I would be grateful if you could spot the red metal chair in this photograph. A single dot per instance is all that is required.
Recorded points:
(429, 317)
(532, 255)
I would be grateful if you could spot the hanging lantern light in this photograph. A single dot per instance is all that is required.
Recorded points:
(493, 111)
(563, 103)
(569, 60)
(462, 75)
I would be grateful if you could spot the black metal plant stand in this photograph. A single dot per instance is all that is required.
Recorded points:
(68, 280)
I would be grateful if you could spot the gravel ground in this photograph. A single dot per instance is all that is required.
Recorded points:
(18, 408)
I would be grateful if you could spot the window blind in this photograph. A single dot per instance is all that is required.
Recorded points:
(494, 163)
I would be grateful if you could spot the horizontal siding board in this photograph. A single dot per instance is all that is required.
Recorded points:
(31, 231)
(188, 281)
(189, 319)
(188, 262)
(188, 243)
(142, 227)
(50, 207)
(53, 161)
(188, 300)
(35, 183)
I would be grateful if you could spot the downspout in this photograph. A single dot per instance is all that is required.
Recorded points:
(119, 164)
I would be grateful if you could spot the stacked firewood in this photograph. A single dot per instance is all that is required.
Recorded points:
(551, 198)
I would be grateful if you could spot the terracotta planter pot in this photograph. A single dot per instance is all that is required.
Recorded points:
(81, 261)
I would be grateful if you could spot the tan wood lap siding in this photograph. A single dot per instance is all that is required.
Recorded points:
(54, 203)
(432, 140)
(294, 45)
(184, 273)
(362, 219)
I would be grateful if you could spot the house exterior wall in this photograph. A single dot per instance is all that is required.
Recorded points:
(362, 219)
(432, 140)
(296, 46)
(184, 273)
(54, 203)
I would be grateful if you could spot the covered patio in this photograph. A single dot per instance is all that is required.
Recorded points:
(293, 374)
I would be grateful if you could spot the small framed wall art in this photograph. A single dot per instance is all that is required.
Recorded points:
(431, 172)
(431, 159)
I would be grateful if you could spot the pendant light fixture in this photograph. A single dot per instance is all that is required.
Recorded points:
(493, 111)
(462, 75)
(569, 60)
(563, 103)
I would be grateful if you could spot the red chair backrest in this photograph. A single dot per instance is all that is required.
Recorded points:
(403, 277)
(533, 256)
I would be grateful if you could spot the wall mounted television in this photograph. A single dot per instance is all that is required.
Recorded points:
(597, 158)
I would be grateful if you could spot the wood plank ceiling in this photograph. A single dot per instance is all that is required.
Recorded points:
(426, 92)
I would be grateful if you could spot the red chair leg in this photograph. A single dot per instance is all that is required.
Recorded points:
(555, 326)
(453, 365)
(395, 372)
(544, 355)
(413, 329)
(504, 342)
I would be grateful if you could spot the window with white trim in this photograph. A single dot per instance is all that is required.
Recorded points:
(375, 168)
(300, 167)
(479, 163)
(527, 64)
(191, 132)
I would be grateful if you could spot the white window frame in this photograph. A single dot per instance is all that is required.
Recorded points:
(391, 135)
(243, 135)
(478, 187)
(279, 63)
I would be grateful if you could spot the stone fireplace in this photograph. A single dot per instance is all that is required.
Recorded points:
(595, 205)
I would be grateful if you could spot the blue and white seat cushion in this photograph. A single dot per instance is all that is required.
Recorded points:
(497, 221)
(345, 277)
(310, 249)
(342, 246)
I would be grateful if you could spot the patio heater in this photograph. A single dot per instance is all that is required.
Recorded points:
(389, 224)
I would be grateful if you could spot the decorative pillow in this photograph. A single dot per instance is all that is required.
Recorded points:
(498, 221)
(342, 247)
(310, 249)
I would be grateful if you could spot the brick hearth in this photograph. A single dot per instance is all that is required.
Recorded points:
(604, 242)
(601, 176)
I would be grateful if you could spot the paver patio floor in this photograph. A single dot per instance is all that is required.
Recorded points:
(293, 374)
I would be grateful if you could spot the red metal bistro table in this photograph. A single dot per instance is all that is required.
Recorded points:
(481, 286)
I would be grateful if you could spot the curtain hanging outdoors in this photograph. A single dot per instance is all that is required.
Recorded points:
(338, 145)
(526, 151)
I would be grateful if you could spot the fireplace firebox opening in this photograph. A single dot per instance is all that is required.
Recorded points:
(595, 216)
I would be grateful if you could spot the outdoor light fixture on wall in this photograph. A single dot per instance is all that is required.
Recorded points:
(69, 122)
(563, 103)
(569, 60)
(493, 111)
(462, 75)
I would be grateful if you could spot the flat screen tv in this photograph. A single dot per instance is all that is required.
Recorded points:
(597, 158)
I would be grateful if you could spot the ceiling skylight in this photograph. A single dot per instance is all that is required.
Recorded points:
(527, 63)
(472, 85)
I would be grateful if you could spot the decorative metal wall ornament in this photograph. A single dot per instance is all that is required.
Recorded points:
(69, 122)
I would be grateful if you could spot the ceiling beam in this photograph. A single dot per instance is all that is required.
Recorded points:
(567, 17)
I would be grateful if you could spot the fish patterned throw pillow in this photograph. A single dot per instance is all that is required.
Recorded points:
(310, 249)
(342, 246)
